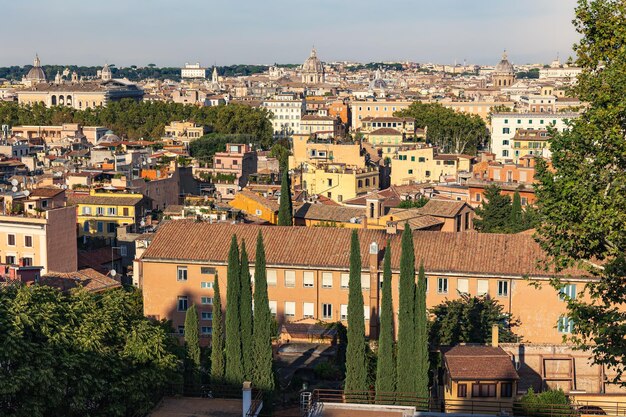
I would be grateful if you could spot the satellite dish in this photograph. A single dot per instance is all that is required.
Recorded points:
(14, 182)
(14, 189)
(26, 193)
(113, 273)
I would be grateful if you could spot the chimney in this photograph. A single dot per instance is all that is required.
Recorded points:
(392, 228)
(246, 399)
(495, 335)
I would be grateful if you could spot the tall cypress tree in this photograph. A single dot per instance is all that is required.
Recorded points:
(217, 336)
(421, 337)
(386, 366)
(406, 315)
(516, 219)
(246, 313)
(192, 342)
(234, 365)
(262, 375)
(356, 360)
(285, 210)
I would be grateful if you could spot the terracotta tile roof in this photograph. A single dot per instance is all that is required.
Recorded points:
(46, 192)
(386, 131)
(109, 199)
(328, 213)
(88, 278)
(266, 202)
(390, 195)
(442, 208)
(467, 253)
(466, 362)
(99, 259)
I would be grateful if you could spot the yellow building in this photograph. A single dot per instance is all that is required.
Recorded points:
(184, 131)
(256, 205)
(315, 151)
(423, 164)
(338, 181)
(100, 213)
(382, 108)
(530, 142)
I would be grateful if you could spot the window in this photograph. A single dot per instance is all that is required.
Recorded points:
(568, 291)
(366, 312)
(100, 227)
(290, 309)
(181, 273)
(206, 315)
(99, 211)
(28, 241)
(506, 121)
(308, 310)
(483, 287)
(565, 325)
(478, 197)
(505, 153)
(111, 211)
(330, 182)
(181, 330)
(327, 279)
(111, 227)
(125, 211)
(467, 221)
(462, 285)
(308, 279)
(519, 122)
(258, 212)
(86, 210)
(11, 240)
(421, 159)
(505, 142)
(410, 171)
(271, 277)
(427, 173)
(365, 281)
(412, 159)
(345, 280)
(273, 307)
(207, 270)
(182, 303)
(503, 288)
(10, 260)
(327, 311)
(27, 261)
(206, 330)
(506, 390)
(343, 311)
(442, 285)
(505, 130)
(290, 279)
(86, 227)
(524, 200)
(461, 390)
(483, 390)
(207, 300)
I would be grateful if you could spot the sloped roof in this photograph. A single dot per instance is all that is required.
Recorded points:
(442, 208)
(266, 202)
(88, 278)
(471, 362)
(327, 212)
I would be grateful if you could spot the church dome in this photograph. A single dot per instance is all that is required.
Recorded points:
(378, 83)
(36, 73)
(504, 66)
(312, 63)
(106, 74)
(109, 137)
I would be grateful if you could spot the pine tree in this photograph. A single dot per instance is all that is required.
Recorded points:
(421, 337)
(494, 213)
(386, 365)
(234, 364)
(217, 336)
(356, 360)
(406, 315)
(246, 312)
(516, 222)
(262, 375)
(285, 210)
(192, 342)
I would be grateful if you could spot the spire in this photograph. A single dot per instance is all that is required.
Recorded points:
(37, 62)
(313, 52)
(504, 56)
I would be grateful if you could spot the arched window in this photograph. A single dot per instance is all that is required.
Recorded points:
(372, 210)
(53, 100)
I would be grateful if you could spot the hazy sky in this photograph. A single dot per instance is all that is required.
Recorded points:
(172, 32)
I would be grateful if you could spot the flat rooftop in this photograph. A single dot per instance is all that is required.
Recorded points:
(196, 407)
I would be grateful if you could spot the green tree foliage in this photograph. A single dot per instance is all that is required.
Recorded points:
(469, 320)
(386, 364)
(280, 152)
(582, 201)
(218, 364)
(147, 119)
(234, 361)
(548, 403)
(417, 203)
(421, 337)
(406, 315)
(192, 343)
(262, 376)
(532, 73)
(245, 307)
(516, 221)
(205, 147)
(356, 359)
(80, 354)
(285, 210)
(497, 214)
(451, 131)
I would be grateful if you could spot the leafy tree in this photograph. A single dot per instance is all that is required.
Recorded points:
(280, 152)
(192, 342)
(469, 320)
(386, 365)
(218, 365)
(246, 312)
(262, 376)
(234, 361)
(356, 360)
(406, 315)
(417, 203)
(450, 131)
(581, 201)
(539, 405)
(494, 214)
(421, 337)
(285, 209)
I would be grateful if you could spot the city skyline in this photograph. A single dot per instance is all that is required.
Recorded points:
(274, 31)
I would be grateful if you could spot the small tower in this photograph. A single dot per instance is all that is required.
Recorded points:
(214, 76)
(74, 77)
(106, 74)
(57, 78)
(375, 208)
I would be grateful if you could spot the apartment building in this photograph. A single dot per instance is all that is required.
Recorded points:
(308, 273)
(316, 151)
(320, 126)
(184, 131)
(338, 182)
(287, 110)
(423, 164)
(362, 109)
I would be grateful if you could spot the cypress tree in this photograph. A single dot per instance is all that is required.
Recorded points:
(262, 375)
(406, 315)
(356, 360)
(217, 336)
(386, 365)
(285, 210)
(421, 337)
(246, 313)
(234, 366)
(192, 342)
(516, 220)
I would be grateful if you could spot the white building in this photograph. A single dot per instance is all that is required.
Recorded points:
(287, 109)
(504, 126)
(566, 72)
(193, 71)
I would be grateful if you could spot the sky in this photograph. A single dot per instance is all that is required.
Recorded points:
(172, 32)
